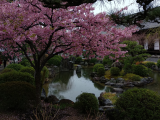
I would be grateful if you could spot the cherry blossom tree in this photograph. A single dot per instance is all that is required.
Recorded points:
(28, 26)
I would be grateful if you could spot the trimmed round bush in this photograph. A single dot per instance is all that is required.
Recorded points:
(16, 67)
(6, 70)
(87, 103)
(29, 70)
(56, 60)
(93, 60)
(78, 59)
(140, 70)
(16, 95)
(115, 71)
(96, 66)
(138, 104)
(101, 71)
(135, 78)
(149, 64)
(25, 62)
(59, 57)
(158, 63)
(16, 76)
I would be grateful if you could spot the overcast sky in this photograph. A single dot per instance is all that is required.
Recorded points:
(118, 5)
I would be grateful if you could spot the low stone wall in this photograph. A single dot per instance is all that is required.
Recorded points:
(120, 82)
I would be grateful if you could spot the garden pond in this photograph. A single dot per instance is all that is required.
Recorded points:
(68, 85)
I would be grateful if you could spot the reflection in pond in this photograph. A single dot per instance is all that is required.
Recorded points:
(155, 86)
(71, 84)
(78, 74)
(100, 87)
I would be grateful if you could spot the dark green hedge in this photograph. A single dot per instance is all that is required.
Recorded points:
(138, 104)
(16, 95)
(16, 76)
(87, 103)
(16, 67)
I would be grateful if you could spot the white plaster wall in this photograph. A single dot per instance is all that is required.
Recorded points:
(146, 45)
(156, 45)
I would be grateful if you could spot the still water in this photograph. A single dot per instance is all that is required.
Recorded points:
(155, 85)
(69, 85)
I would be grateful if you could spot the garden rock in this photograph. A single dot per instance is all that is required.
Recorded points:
(108, 83)
(96, 78)
(128, 84)
(100, 109)
(150, 79)
(103, 101)
(144, 81)
(113, 80)
(106, 67)
(138, 83)
(51, 99)
(119, 85)
(117, 64)
(108, 106)
(120, 80)
(102, 79)
(112, 84)
(118, 90)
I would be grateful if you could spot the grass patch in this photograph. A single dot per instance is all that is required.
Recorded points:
(111, 96)
(144, 62)
(125, 77)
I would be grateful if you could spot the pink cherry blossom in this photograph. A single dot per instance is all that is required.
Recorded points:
(37, 30)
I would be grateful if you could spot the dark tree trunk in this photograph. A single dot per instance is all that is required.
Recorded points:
(38, 86)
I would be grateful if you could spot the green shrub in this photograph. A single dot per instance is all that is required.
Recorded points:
(56, 60)
(140, 70)
(78, 60)
(16, 95)
(158, 63)
(128, 64)
(101, 71)
(16, 67)
(96, 66)
(135, 78)
(138, 104)
(107, 60)
(115, 71)
(93, 60)
(25, 62)
(87, 103)
(6, 70)
(149, 64)
(16, 76)
(59, 57)
(29, 70)
(45, 69)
